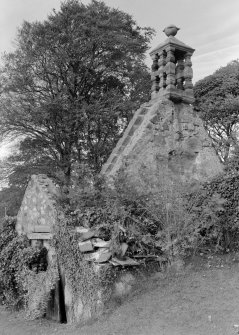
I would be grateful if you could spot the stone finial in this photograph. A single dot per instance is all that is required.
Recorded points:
(171, 30)
(172, 69)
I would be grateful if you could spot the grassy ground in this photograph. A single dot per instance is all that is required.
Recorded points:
(203, 299)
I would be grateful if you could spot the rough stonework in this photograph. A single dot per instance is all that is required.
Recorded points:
(165, 139)
(166, 136)
(37, 214)
(36, 219)
(172, 69)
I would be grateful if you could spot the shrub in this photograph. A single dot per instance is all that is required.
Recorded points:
(91, 285)
(23, 281)
(216, 212)
(151, 219)
(11, 246)
(37, 289)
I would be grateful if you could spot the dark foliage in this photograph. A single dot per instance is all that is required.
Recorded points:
(72, 83)
(217, 100)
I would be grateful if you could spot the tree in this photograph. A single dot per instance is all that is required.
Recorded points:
(68, 84)
(217, 100)
(15, 172)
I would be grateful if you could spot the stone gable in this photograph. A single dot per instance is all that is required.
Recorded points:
(168, 138)
(37, 213)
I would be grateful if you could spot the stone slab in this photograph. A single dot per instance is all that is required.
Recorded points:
(42, 229)
(39, 236)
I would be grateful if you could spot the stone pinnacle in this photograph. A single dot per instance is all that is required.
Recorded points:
(171, 30)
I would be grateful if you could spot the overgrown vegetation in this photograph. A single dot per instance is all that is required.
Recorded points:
(68, 91)
(160, 216)
(216, 212)
(11, 260)
(25, 279)
(217, 101)
(91, 284)
(37, 287)
(153, 222)
(159, 220)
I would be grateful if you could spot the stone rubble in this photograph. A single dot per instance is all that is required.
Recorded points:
(99, 251)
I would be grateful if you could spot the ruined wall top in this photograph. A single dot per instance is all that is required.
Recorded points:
(172, 69)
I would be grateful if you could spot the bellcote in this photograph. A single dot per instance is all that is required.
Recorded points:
(172, 72)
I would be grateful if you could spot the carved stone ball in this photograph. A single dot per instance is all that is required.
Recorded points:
(171, 30)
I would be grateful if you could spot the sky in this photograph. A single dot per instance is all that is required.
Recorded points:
(209, 26)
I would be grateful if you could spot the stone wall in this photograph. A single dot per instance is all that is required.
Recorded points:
(165, 138)
(37, 213)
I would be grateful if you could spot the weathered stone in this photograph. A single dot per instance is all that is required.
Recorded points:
(165, 126)
(120, 150)
(165, 138)
(194, 158)
(149, 126)
(100, 256)
(132, 130)
(85, 246)
(39, 236)
(126, 141)
(38, 205)
(155, 119)
(81, 230)
(42, 228)
(139, 120)
(109, 167)
(173, 59)
(99, 243)
(127, 261)
(114, 159)
(143, 111)
(87, 235)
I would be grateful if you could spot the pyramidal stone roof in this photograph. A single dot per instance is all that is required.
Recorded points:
(173, 41)
(165, 136)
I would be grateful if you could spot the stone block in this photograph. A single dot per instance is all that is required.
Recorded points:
(41, 228)
(120, 150)
(99, 243)
(109, 167)
(138, 121)
(149, 126)
(85, 246)
(114, 159)
(87, 235)
(126, 141)
(132, 130)
(143, 111)
(155, 119)
(165, 126)
(39, 236)
(81, 230)
(178, 128)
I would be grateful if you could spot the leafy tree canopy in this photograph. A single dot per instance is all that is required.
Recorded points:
(72, 82)
(217, 99)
